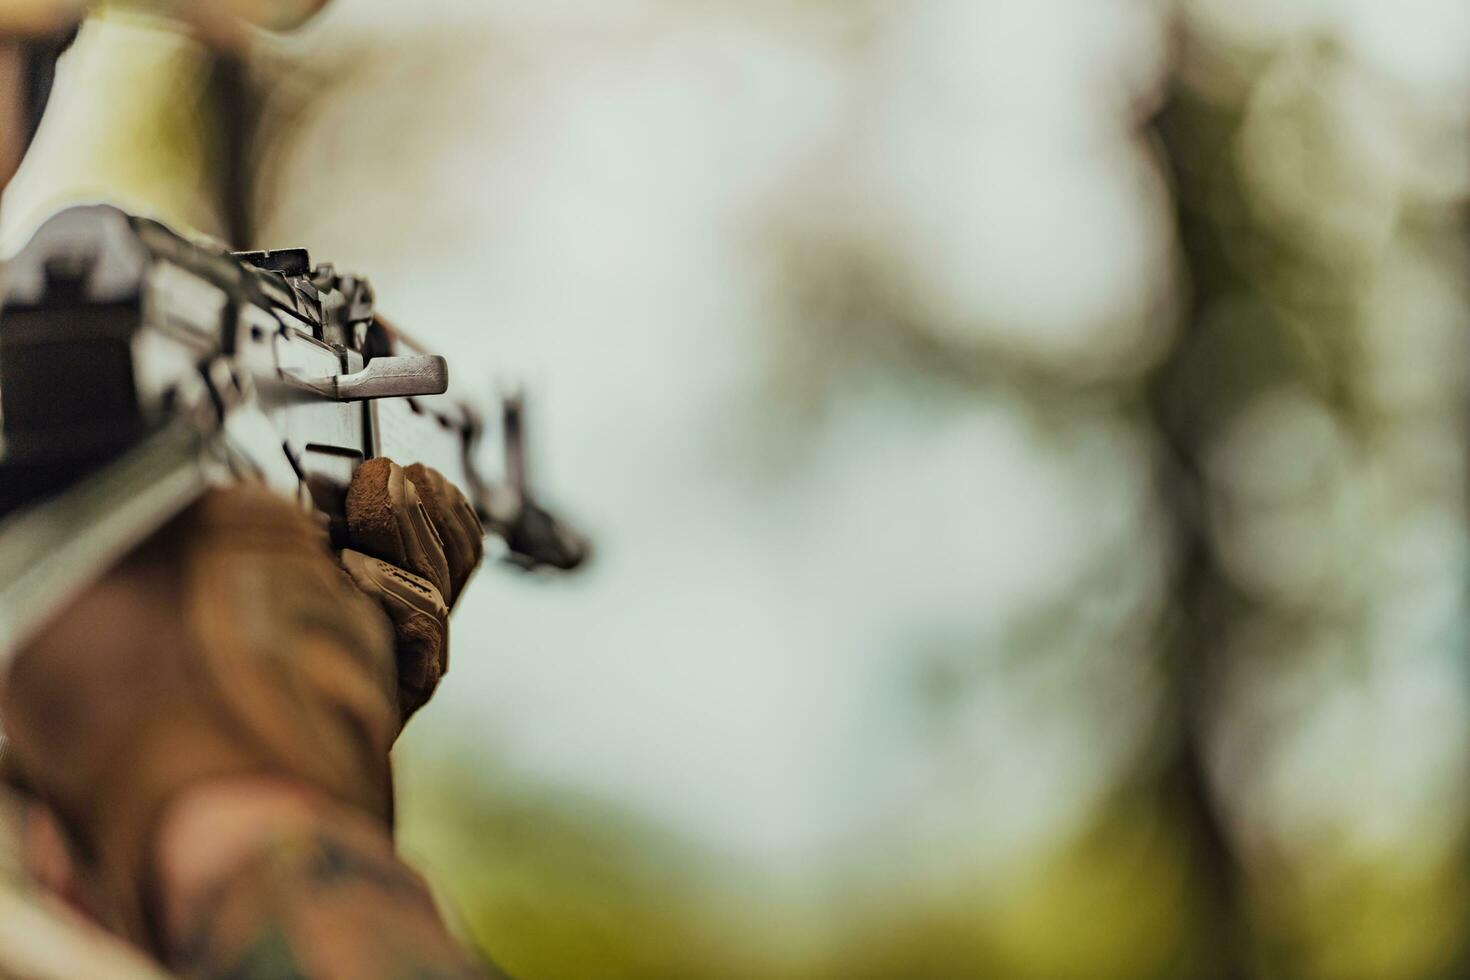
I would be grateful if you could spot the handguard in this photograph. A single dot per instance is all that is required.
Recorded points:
(139, 367)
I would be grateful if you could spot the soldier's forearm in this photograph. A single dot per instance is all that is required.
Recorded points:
(41, 936)
(262, 879)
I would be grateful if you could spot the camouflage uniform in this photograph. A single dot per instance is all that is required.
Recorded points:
(211, 725)
(333, 902)
(41, 938)
(235, 667)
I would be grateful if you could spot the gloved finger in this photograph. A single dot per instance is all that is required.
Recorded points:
(420, 624)
(458, 526)
(386, 518)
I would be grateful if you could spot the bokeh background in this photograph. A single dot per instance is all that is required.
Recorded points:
(1025, 444)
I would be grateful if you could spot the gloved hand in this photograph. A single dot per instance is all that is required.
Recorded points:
(232, 644)
(416, 541)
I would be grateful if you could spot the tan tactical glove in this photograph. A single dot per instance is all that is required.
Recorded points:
(416, 542)
(232, 643)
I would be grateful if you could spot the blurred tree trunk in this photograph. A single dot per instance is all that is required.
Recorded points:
(1188, 134)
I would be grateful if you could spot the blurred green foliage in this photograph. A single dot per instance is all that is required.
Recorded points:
(1187, 280)
(556, 885)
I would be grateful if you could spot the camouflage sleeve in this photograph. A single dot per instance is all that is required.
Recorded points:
(325, 901)
(42, 937)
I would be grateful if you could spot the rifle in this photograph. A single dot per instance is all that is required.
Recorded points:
(139, 367)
